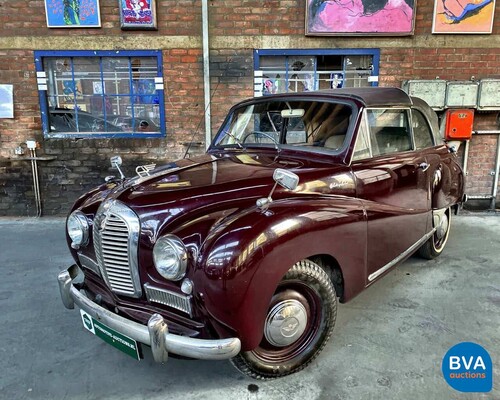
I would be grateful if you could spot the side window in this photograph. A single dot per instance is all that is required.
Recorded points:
(421, 131)
(362, 147)
(389, 131)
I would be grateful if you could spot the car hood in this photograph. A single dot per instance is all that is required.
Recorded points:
(205, 179)
(191, 188)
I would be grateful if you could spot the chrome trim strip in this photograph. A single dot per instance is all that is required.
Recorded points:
(155, 334)
(407, 252)
(89, 263)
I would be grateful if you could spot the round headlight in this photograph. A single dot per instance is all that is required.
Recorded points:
(78, 229)
(170, 257)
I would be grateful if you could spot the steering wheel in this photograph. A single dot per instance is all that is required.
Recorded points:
(256, 133)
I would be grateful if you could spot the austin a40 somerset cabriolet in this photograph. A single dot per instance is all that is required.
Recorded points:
(301, 201)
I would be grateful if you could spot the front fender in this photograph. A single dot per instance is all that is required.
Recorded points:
(244, 257)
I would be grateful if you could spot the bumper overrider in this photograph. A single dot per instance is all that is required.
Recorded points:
(155, 334)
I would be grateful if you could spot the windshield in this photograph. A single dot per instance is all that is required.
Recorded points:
(295, 123)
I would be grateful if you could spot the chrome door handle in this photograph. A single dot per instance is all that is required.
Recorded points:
(424, 166)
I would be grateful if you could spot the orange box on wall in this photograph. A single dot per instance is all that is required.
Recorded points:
(459, 124)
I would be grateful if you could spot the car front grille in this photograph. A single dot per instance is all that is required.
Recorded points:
(168, 298)
(116, 235)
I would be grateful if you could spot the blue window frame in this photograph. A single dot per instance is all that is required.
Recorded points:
(101, 94)
(295, 70)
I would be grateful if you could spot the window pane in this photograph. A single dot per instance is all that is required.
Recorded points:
(315, 124)
(389, 131)
(103, 94)
(297, 73)
(274, 68)
(421, 131)
(62, 90)
(362, 148)
(116, 75)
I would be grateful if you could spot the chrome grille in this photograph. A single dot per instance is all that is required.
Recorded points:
(168, 298)
(116, 233)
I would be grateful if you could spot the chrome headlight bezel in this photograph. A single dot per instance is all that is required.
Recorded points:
(78, 227)
(170, 257)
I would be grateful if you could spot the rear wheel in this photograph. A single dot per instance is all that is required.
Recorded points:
(299, 322)
(435, 245)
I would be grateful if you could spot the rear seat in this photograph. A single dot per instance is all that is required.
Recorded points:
(390, 139)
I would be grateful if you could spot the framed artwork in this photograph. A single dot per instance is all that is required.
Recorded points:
(6, 101)
(137, 14)
(468, 16)
(72, 13)
(360, 17)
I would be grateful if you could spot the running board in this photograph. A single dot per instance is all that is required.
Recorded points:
(406, 253)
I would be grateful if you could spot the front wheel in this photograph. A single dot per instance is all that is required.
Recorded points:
(299, 322)
(435, 245)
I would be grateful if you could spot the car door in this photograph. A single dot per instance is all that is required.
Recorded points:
(392, 181)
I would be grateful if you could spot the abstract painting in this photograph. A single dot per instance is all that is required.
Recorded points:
(360, 17)
(72, 13)
(467, 16)
(137, 14)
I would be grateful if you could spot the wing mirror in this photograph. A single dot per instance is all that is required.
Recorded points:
(116, 162)
(284, 178)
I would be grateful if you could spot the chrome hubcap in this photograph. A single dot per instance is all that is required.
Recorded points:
(285, 323)
(442, 228)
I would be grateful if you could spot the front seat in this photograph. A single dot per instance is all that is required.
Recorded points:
(334, 142)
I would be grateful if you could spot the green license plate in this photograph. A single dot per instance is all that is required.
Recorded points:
(110, 336)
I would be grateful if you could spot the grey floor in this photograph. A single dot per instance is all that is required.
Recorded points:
(388, 342)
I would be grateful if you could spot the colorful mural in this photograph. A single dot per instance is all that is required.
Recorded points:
(356, 17)
(469, 16)
(138, 14)
(72, 13)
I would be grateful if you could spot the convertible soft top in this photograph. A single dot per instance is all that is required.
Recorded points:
(368, 96)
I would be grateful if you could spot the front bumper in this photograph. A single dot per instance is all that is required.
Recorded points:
(155, 334)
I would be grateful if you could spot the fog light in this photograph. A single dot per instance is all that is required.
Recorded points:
(187, 286)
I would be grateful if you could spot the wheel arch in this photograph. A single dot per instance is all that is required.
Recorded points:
(241, 272)
(334, 270)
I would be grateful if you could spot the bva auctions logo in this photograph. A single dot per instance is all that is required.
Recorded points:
(467, 367)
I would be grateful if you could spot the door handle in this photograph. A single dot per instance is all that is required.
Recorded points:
(424, 166)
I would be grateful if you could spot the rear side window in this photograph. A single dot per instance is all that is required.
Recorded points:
(389, 131)
(421, 131)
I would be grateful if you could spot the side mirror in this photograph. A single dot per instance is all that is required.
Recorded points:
(282, 177)
(116, 162)
(286, 179)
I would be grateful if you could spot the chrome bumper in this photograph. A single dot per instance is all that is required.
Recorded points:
(155, 334)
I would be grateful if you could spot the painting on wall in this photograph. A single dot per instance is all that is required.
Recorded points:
(469, 16)
(6, 101)
(72, 13)
(360, 17)
(137, 14)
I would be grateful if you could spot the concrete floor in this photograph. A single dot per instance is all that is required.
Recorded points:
(388, 342)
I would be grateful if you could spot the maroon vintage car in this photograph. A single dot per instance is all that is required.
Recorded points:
(242, 253)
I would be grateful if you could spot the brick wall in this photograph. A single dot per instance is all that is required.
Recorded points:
(236, 28)
(397, 65)
(80, 164)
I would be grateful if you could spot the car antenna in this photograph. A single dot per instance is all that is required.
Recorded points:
(201, 120)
